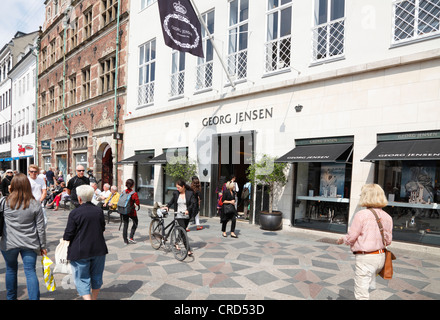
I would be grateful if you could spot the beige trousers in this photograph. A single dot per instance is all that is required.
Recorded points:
(366, 269)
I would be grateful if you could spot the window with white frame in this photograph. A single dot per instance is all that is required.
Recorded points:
(329, 30)
(146, 3)
(205, 66)
(415, 19)
(279, 39)
(177, 74)
(238, 38)
(147, 72)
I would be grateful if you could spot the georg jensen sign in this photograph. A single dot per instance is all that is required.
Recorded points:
(243, 116)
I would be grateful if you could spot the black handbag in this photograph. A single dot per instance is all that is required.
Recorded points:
(229, 209)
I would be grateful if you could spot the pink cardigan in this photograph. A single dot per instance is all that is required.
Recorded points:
(364, 234)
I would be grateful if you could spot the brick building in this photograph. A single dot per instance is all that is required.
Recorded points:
(82, 86)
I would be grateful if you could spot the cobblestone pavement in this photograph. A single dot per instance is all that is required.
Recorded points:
(281, 265)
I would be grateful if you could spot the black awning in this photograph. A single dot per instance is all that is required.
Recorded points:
(319, 153)
(160, 159)
(134, 159)
(428, 149)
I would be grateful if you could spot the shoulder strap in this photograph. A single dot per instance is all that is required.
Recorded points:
(379, 223)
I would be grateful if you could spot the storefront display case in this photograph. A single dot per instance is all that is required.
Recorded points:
(322, 183)
(407, 166)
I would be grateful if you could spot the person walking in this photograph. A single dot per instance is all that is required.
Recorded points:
(50, 177)
(365, 239)
(38, 186)
(195, 187)
(87, 248)
(6, 182)
(183, 201)
(75, 182)
(228, 211)
(134, 199)
(23, 234)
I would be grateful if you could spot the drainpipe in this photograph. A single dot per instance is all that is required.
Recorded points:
(64, 79)
(116, 113)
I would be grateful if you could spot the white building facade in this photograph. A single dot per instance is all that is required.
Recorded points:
(23, 124)
(319, 84)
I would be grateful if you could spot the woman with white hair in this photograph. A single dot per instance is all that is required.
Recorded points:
(228, 211)
(87, 249)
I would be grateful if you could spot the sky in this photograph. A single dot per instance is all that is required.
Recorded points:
(19, 15)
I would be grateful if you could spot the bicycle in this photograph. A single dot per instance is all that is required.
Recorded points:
(178, 238)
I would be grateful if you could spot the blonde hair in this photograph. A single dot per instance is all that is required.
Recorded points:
(372, 196)
(230, 185)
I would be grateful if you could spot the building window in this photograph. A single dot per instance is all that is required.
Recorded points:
(109, 9)
(329, 31)
(415, 19)
(52, 51)
(238, 38)
(72, 93)
(177, 73)
(44, 58)
(43, 104)
(74, 34)
(86, 83)
(147, 72)
(60, 96)
(107, 77)
(279, 39)
(146, 3)
(51, 100)
(88, 16)
(205, 68)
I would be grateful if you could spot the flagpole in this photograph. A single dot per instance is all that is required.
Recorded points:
(212, 42)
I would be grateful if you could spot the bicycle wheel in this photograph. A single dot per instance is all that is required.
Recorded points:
(156, 233)
(179, 243)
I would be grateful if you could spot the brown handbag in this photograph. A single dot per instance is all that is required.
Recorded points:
(387, 270)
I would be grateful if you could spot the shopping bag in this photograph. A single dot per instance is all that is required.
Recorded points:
(47, 273)
(62, 265)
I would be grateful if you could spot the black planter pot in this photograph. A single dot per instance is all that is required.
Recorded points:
(271, 221)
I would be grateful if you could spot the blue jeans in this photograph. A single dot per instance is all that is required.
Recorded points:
(87, 274)
(29, 258)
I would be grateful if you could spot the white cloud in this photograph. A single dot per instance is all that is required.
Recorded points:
(20, 15)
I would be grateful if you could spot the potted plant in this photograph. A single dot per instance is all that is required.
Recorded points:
(272, 174)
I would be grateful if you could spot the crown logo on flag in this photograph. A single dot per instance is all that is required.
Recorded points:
(179, 8)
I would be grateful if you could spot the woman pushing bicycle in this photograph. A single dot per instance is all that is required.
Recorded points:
(183, 202)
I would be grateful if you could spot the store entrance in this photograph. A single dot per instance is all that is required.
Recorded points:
(233, 154)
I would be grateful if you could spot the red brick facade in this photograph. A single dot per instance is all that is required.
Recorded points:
(86, 123)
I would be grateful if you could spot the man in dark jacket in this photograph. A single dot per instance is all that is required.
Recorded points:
(6, 182)
(75, 182)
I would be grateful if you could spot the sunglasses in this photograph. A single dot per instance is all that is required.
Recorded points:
(80, 170)
(33, 171)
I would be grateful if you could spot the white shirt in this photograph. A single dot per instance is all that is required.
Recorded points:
(37, 185)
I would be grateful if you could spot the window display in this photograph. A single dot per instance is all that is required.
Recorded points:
(413, 191)
(145, 178)
(322, 191)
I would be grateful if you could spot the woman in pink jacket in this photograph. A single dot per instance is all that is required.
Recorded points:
(365, 239)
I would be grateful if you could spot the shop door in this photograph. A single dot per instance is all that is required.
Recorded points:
(232, 156)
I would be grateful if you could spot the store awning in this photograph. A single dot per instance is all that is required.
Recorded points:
(134, 159)
(160, 159)
(319, 153)
(428, 149)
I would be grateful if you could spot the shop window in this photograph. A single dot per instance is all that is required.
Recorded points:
(169, 184)
(323, 191)
(145, 178)
(413, 191)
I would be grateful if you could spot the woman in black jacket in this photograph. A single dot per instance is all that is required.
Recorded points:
(183, 201)
(228, 211)
(87, 248)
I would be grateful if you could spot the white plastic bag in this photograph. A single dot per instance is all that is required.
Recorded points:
(62, 265)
